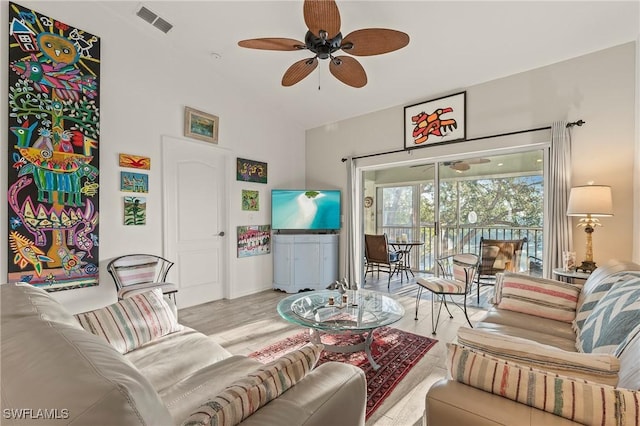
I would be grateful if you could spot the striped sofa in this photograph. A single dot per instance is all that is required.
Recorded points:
(547, 353)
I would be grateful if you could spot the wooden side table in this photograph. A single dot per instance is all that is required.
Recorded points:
(570, 276)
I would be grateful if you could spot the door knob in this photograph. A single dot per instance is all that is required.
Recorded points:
(221, 234)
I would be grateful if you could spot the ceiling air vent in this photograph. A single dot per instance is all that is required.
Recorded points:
(154, 19)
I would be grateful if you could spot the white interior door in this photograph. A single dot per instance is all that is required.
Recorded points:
(194, 221)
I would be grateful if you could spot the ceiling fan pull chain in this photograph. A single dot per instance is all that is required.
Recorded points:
(319, 72)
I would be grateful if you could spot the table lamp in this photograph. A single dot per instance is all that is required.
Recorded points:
(588, 202)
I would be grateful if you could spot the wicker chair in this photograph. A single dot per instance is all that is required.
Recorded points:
(378, 256)
(498, 256)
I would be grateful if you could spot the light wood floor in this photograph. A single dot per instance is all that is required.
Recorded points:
(247, 324)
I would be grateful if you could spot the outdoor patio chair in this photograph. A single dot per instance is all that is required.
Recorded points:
(456, 279)
(137, 273)
(378, 256)
(498, 256)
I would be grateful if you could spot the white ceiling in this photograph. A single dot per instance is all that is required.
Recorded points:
(454, 45)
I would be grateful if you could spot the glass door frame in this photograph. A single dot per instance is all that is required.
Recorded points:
(438, 161)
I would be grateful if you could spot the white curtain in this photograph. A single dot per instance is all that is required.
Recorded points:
(559, 237)
(351, 232)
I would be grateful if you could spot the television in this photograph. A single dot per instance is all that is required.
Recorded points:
(305, 209)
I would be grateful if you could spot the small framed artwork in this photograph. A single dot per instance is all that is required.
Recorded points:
(135, 211)
(134, 161)
(250, 200)
(251, 171)
(435, 122)
(200, 125)
(254, 240)
(134, 182)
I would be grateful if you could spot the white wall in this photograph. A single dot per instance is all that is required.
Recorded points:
(145, 86)
(636, 168)
(598, 88)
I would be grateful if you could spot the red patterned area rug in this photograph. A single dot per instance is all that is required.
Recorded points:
(395, 350)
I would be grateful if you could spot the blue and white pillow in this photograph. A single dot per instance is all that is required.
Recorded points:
(591, 300)
(614, 318)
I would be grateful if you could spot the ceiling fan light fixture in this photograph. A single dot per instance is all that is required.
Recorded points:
(324, 39)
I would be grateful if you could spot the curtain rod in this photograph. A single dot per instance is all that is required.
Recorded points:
(569, 125)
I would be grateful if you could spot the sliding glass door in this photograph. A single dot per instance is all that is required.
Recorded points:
(450, 205)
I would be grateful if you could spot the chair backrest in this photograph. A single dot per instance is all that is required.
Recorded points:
(500, 255)
(460, 267)
(376, 248)
(135, 269)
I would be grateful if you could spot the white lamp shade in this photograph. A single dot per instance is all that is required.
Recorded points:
(594, 200)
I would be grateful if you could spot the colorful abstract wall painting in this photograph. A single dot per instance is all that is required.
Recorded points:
(53, 161)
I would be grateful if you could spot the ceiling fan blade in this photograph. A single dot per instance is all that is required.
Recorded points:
(477, 160)
(374, 41)
(272, 44)
(461, 166)
(298, 71)
(348, 70)
(322, 15)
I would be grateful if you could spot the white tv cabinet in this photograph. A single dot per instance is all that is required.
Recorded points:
(304, 261)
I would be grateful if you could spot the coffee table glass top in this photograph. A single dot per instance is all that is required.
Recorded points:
(364, 310)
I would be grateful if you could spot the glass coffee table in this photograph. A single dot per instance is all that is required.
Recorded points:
(331, 312)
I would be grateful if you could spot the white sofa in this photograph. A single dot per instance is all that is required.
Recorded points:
(473, 396)
(55, 372)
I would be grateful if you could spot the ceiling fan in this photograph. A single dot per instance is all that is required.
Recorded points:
(324, 39)
(459, 165)
(464, 165)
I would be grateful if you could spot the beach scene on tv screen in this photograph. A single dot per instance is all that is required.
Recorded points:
(299, 209)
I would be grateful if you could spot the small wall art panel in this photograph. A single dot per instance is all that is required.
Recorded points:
(254, 240)
(134, 161)
(251, 171)
(135, 210)
(134, 182)
(250, 200)
(53, 162)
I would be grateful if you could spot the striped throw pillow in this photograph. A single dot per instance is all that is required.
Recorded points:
(578, 400)
(244, 397)
(540, 297)
(599, 368)
(130, 323)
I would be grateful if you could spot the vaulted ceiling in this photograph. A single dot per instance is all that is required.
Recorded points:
(454, 44)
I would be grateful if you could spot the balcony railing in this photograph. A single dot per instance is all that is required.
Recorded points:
(459, 239)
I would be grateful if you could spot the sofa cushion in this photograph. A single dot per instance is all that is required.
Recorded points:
(540, 297)
(629, 375)
(523, 321)
(21, 300)
(244, 397)
(50, 365)
(578, 400)
(173, 357)
(132, 322)
(592, 297)
(613, 319)
(541, 337)
(600, 368)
